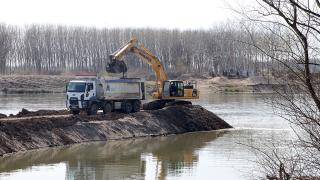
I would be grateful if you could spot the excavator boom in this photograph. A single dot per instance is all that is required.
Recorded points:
(117, 65)
(166, 89)
(153, 61)
(118, 55)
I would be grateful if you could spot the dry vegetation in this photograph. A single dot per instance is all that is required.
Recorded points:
(296, 24)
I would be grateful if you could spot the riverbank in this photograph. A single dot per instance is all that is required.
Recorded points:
(11, 84)
(253, 84)
(34, 132)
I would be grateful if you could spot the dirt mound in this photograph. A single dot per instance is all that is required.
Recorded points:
(223, 81)
(27, 113)
(33, 83)
(258, 80)
(218, 80)
(191, 76)
(38, 132)
(2, 116)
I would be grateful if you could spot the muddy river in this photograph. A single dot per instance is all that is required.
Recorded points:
(203, 155)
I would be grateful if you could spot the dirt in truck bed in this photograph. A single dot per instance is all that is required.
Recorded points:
(37, 131)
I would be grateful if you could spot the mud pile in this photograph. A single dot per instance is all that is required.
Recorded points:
(2, 116)
(21, 134)
(27, 113)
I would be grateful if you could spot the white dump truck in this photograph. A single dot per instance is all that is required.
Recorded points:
(93, 94)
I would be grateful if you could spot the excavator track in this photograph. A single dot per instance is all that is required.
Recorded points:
(159, 104)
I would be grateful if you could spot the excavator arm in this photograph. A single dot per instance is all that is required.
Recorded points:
(145, 55)
(118, 55)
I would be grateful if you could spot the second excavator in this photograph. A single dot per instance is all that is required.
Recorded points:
(167, 91)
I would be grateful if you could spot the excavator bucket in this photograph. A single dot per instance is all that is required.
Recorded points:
(115, 66)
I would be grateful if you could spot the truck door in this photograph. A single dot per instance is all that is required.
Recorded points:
(90, 92)
(143, 91)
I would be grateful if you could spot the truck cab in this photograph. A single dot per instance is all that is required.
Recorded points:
(82, 93)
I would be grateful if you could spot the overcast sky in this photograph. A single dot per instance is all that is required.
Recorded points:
(182, 14)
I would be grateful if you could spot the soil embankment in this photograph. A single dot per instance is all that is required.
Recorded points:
(33, 83)
(32, 132)
(253, 84)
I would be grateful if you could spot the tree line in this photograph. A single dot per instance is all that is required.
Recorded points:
(49, 49)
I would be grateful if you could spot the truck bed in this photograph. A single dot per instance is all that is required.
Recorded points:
(124, 89)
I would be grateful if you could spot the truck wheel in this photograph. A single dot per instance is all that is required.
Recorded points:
(75, 112)
(107, 108)
(93, 110)
(126, 107)
(136, 106)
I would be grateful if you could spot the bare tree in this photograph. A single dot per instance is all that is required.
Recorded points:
(292, 28)
(5, 45)
(54, 49)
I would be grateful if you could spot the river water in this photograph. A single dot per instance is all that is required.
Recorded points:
(203, 155)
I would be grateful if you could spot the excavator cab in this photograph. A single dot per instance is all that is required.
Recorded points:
(175, 89)
(172, 89)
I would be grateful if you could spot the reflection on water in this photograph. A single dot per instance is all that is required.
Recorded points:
(203, 155)
(135, 158)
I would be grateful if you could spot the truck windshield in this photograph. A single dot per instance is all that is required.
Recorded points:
(76, 87)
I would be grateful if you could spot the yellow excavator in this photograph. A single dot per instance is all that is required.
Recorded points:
(166, 90)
